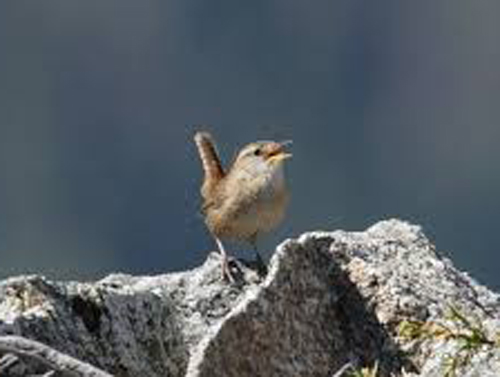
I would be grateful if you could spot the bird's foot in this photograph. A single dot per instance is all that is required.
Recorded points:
(226, 271)
(229, 264)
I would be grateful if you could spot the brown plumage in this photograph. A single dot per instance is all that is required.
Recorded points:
(250, 198)
(210, 162)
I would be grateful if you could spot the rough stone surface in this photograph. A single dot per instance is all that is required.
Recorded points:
(329, 298)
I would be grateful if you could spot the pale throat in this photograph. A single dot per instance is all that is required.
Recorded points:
(272, 176)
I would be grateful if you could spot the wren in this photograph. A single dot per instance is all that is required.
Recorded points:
(249, 198)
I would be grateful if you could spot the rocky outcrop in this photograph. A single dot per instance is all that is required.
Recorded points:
(331, 303)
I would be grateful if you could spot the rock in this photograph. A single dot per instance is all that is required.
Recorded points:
(331, 302)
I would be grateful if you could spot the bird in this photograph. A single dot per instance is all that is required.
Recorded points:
(248, 198)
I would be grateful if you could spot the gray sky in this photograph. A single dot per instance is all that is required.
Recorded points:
(393, 108)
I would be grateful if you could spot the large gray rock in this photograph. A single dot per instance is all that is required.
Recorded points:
(330, 299)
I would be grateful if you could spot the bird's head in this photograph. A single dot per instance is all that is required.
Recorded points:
(263, 156)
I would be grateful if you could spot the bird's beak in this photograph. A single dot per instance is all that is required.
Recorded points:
(277, 151)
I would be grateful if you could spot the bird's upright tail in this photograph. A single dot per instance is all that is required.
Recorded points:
(210, 160)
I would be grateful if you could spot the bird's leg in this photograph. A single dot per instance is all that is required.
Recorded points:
(226, 272)
(261, 265)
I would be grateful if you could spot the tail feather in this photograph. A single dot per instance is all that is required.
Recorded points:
(210, 161)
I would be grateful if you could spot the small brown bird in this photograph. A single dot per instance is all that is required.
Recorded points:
(248, 199)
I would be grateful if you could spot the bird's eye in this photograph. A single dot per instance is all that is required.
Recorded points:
(257, 152)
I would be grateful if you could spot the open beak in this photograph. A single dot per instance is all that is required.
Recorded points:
(277, 151)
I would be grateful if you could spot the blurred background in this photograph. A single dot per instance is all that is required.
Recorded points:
(394, 109)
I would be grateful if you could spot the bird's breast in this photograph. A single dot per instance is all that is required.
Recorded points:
(250, 205)
(267, 207)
